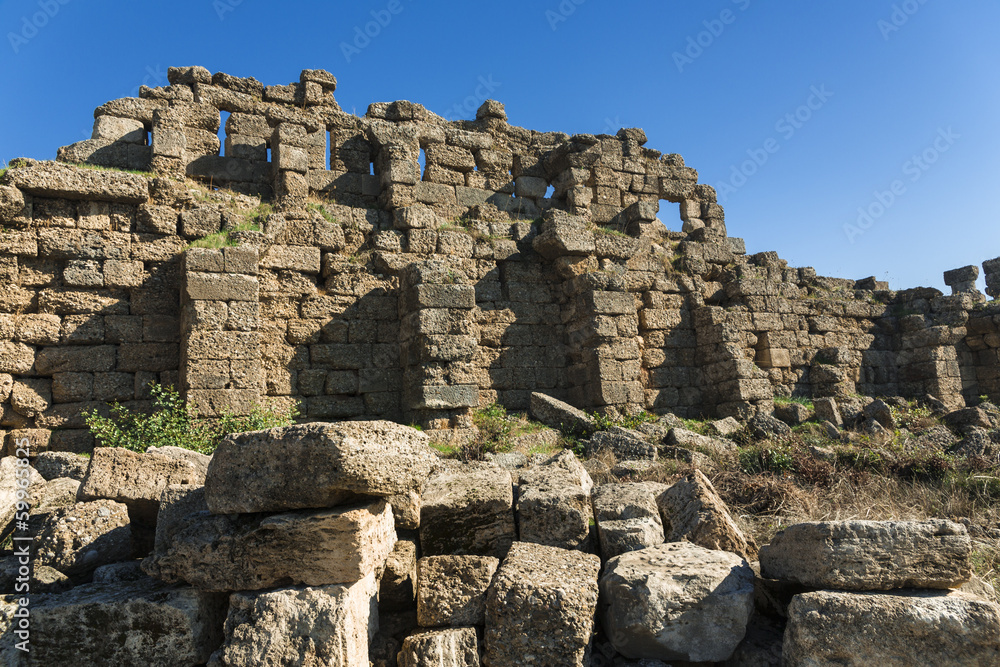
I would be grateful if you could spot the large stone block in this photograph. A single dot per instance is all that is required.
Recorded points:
(78, 539)
(325, 625)
(62, 181)
(677, 601)
(221, 287)
(126, 623)
(906, 627)
(251, 552)
(627, 518)
(316, 465)
(562, 235)
(455, 647)
(137, 480)
(542, 604)
(870, 555)
(560, 415)
(692, 510)
(553, 508)
(451, 590)
(468, 512)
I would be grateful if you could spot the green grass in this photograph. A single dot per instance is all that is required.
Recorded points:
(223, 239)
(97, 167)
(801, 400)
(319, 208)
(610, 231)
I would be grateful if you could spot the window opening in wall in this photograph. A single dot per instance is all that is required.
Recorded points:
(422, 159)
(147, 132)
(268, 152)
(329, 150)
(550, 192)
(371, 168)
(224, 116)
(670, 215)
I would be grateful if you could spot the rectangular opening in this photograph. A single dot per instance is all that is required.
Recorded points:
(224, 116)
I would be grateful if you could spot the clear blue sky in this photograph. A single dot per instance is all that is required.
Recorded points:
(898, 79)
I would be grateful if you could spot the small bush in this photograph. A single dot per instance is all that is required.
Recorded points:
(755, 460)
(173, 423)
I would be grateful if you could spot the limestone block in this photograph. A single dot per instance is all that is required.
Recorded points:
(451, 590)
(324, 625)
(126, 623)
(560, 415)
(715, 447)
(468, 512)
(316, 465)
(692, 510)
(119, 129)
(296, 258)
(552, 508)
(11, 203)
(77, 539)
(627, 518)
(10, 482)
(563, 235)
(137, 480)
(542, 604)
(54, 465)
(61, 181)
(624, 446)
(454, 647)
(870, 555)
(16, 358)
(905, 627)
(201, 221)
(676, 601)
(252, 552)
(221, 287)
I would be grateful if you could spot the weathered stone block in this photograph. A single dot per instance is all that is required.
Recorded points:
(468, 512)
(905, 627)
(316, 465)
(137, 480)
(542, 604)
(864, 555)
(251, 552)
(677, 601)
(325, 625)
(77, 539)
(627, 518)
(221, 287)
(692, 510)
(295, 258)
(451, 590)
(139, 622)
(455, 647)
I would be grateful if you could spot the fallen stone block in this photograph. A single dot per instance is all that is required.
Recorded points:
(468, 511)
(78, 539)
(316, 465)
(869, 555)
(325, 625)
(627, 518)
(552, 508)
(692, 510)
(455, 647)
(251, 552)
(714, 447)
(11, 482)
(676, 601)
(905, 627)
(562, 416)
(138, 480)
(53, 465)
(542, 604)
(451, 590)
(136, 623)
(625, 446)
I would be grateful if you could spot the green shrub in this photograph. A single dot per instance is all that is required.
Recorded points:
(756, 459)
(173, 423)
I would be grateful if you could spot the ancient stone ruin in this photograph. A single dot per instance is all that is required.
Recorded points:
(399, 268)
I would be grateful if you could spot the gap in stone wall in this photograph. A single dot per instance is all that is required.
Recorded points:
(224, 116)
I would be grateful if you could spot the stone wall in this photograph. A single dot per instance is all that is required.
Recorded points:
(388, 286)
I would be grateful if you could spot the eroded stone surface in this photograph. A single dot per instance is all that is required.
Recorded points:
(541, 604)
(870, 555)
(677, 601)
(692, 510)
(627, 518)
(454, 647)
(77, 539)
(315, 465)
(468, 511)
(906, 627)
(451, 590)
